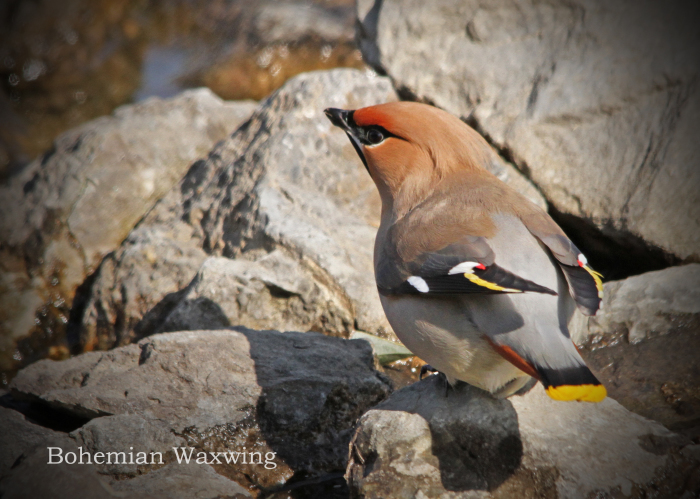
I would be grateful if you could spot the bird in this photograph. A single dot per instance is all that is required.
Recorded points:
(474, 278)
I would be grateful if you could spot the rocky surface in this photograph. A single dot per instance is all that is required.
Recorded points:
(127, 432)
(211, 391)
(276, 289)
(646, 306)
(19, 437)
(33, 477)
(181, 481)
(173, 259)
(644, 343)
(596, 102)
(287, 197)
(78, 202)
(421, 443)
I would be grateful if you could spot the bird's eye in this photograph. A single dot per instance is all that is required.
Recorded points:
(374, 136)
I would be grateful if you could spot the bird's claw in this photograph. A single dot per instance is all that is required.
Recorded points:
(426, 368)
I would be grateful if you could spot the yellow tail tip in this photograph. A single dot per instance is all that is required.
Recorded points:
(581, 393)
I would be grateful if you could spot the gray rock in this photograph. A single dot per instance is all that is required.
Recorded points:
(132, 434)
(643, 345)
(19, 437)
(78, 202)
(138, 284)
(276, 289)
(217, 391)
(419, 443)
(597, 103)
(34, 477)
(182, 481)
(420, 440)
(285, 180)
(123, 381)
(287, 191)
(645, 306)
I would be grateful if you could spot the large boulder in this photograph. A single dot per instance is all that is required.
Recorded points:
(62, 214)
(422, 442)
(292, 397)
(596, 101)
(644, 345)
(287, 197)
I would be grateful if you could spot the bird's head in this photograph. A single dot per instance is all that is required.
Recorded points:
(409, 147)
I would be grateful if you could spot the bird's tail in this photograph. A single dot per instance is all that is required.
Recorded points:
(568, 382)
(572, 383)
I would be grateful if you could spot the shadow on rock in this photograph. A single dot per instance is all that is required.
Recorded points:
(192, 314)
(465, 440)
(311, 400)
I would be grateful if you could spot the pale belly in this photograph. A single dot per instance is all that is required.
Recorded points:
(438, 331)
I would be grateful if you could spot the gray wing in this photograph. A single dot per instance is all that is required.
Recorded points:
(466, 266)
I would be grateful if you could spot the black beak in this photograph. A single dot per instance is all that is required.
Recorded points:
(341, 119)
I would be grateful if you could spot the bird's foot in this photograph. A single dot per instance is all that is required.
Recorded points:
(426, 368)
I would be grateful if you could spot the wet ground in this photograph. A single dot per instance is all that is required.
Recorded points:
(63, 63)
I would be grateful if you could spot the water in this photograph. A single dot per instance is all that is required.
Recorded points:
(162, 66)
(63, 63)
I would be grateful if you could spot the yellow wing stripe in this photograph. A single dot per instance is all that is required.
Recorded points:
(489, 285)
(597, 278)
(581, 393)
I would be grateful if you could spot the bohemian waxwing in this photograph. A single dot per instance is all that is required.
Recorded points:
(474, 278)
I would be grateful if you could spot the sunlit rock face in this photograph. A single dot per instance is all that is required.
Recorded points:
(595, 102)
(160, 250)
(68, 209)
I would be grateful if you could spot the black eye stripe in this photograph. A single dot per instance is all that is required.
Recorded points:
(364, 134)
(361, 131)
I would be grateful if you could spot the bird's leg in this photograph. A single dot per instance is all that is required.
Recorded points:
(426, 368)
